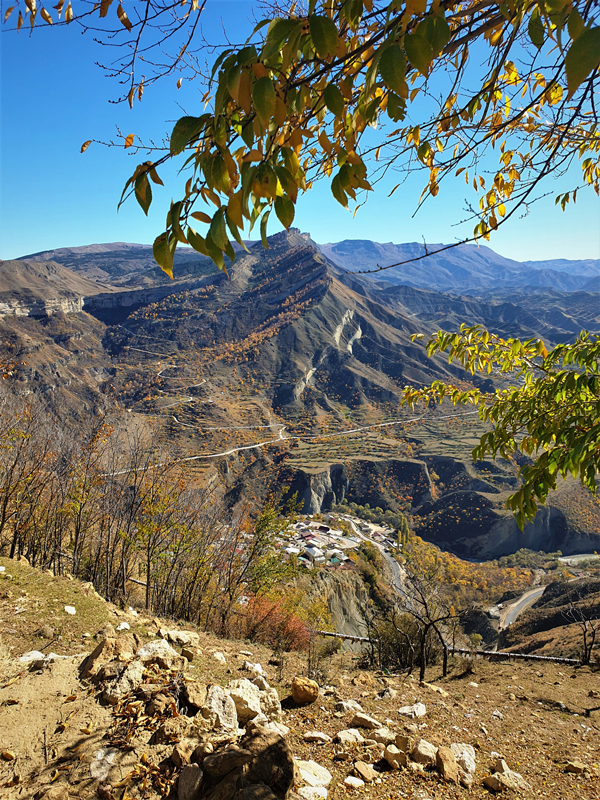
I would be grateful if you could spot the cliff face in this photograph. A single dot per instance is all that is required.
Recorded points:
(21, 306)
(344, 593)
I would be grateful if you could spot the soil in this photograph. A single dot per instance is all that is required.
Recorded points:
(52, 724)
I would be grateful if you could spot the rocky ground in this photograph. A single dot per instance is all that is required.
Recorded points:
(129, 706)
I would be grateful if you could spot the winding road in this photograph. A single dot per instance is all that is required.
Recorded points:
(511, 612)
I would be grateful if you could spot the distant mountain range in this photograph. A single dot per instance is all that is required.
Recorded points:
(464, 268)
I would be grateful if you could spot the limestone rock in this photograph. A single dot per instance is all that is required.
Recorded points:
(182, 753)
(316, 736)
(226, 760)
(446, 764)
(219, 709)
(362, 720)
(218, 656)
(346, 706)
(413, 712)
(354, 782)
(108, 649)
(465, 757)
(183, 638)
(365, 772)
(160, 652)
(272, 763)
(382, 736)
(395, 758)
(349, 736)
(253, 669)
(261, 683)
(195, 693)
(246, 697)
(129, 680)
(402, 742)
(504, 778)
(189, 653)
(386, 694)
(304, 690)
(190, 779)
(313, 774)
(576, 767)
(424, 752)
(270, 704)
(312, 793)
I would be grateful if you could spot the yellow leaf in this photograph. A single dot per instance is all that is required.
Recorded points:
(253, 155)
(179, 82)
(19, 21)
(8, 755)
(68, 13)
(201, 217)
(129, 140)
(245, 92)
(8, 12)
(85, 146)
(123, 18)
(234, 209)
(130, 97)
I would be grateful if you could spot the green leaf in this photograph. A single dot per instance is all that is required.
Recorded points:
(143, 192)
(186, 129)
(264, 97)
(163, 250)
(263, 229)
(324, 34)
(286, 179)
(440, 34)
(235, 232)
(218, 231)
(583, 58)
(280, 31)
(197, 242)
(214, 252)
(396, 107)
(575, 24)
(392, 68)
(338, 192)
(536, 29)
(419, 52)
(284, 208)
(334, 99)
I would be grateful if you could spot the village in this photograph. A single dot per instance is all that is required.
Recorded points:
(317, 542)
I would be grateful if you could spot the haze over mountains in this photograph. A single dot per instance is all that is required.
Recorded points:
(290, 371)
(464, 268)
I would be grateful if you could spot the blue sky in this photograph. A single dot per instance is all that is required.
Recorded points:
(54, 98)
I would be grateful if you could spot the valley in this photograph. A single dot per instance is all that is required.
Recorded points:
(286, 375)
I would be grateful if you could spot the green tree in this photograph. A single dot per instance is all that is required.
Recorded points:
(551, 416)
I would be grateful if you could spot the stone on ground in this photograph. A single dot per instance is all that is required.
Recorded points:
(395, 758)
(349, 736)
(446, 765)
(304, 690)
(413, 712)
(365, 772)
(313, 774)
(424, 752)
(362, 720)
(246, 697)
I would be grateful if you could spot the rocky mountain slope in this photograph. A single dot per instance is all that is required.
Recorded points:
(288, 373)
(140, 707)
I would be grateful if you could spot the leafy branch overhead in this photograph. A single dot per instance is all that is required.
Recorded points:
(551, 414)
(296, 102)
